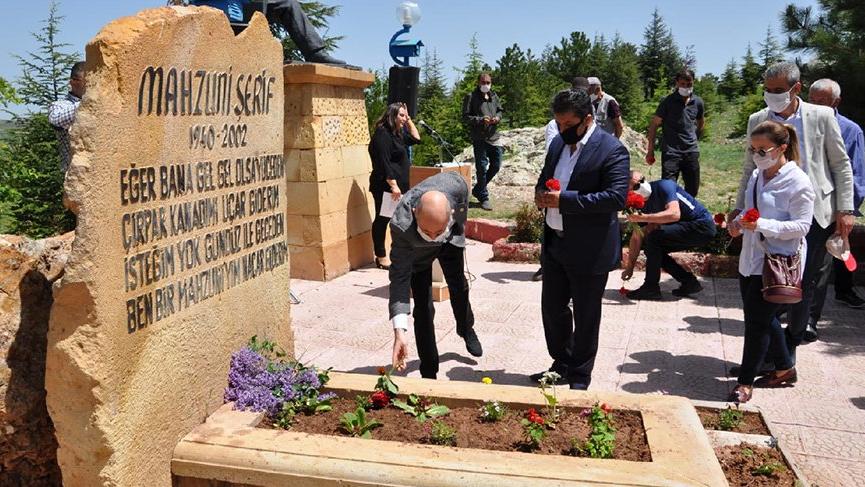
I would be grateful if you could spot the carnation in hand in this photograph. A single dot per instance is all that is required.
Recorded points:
(751, 216)
(721, 220)
(553, 184)
(635, 201)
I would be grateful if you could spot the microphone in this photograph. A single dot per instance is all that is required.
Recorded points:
(425, 126)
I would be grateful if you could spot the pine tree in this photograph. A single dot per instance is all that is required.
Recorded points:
(770, 50)
(375, 97)
(520, 88)
(319, 15)
(569, 58)
(7, 93)
(835, 36)
(730, 85)
(599, 56)
(45, 72)
(621, 79)
(432, 106)
(752, 73)
(659, 55)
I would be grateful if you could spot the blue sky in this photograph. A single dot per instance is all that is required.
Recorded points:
(718, 30)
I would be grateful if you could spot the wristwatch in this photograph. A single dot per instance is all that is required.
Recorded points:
(847, 212)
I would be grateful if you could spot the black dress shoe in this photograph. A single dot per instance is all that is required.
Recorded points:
(688, 288)
(535, 378)
(766, 368)
(644, 293)
(851, 299)
(538, 275)
(579, 386)
(810, 333)
(473, 345)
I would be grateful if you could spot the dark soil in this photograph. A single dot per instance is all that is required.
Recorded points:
(751, 423)
(471, 432)
(740, 462)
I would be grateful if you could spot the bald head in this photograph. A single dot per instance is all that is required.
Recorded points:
(433, 213)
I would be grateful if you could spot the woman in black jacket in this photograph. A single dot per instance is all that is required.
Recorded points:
(394, 131)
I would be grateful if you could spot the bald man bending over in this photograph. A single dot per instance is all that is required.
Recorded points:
(428, 224)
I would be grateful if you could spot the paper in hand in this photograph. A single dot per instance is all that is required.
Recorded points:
(388, 205)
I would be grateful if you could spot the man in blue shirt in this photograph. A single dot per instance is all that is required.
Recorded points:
(674, 221)
(289, 14)
(827, 92)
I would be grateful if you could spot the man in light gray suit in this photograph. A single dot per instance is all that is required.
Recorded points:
(825, 160)
(427, 224)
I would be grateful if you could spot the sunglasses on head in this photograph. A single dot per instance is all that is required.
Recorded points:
(761, 152)
(636, 185)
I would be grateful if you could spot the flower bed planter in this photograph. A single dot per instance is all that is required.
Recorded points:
(749, 446)
(231, 448)
(505, 251)
(701, 264)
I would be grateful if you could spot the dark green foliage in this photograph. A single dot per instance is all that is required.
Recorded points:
(7, 93)
(358, 424)
(433, 107)
(523, 88)
(770, 50)
(569, 58)
(442, 434)
(730, 85)
(529, 224)
(748, 105)
(660, 58)
(621, 78)
(752, 73)
(318, 14)
(31, 184)
(730, 419)
(375, 98)
(834, 36)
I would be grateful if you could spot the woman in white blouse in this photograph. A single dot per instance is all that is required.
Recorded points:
(785, 201)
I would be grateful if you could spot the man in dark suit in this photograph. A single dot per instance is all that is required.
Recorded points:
(582, 240)
(427, 224)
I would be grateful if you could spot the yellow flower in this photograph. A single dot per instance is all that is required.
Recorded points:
(487, 380)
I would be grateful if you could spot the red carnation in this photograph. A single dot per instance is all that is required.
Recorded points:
(553, 184)
(623, 291)
(635, 201)
(751, 216)
(720, 218)
(534, 417)
(380, 399)
(382, 371)
(606, 408)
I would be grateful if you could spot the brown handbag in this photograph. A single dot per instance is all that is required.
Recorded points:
(782, 276)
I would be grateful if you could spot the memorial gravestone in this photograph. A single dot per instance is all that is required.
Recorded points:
(180, 255)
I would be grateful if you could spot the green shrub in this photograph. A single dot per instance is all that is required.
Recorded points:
(529, 224)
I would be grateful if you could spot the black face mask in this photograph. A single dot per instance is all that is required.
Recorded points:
(570, 135)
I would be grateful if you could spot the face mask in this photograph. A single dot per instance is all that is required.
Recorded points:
(441, 238)
(685, 92)
(570, 135)
(645, 190)
(593, 97)
(765, 162)
(777, 102)
(486, 88)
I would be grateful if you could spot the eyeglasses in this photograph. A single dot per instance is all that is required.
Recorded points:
(760, 152)
(636, 185)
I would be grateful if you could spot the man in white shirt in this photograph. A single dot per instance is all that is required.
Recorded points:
(582, 238)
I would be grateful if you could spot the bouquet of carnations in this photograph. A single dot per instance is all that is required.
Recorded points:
(633, 206)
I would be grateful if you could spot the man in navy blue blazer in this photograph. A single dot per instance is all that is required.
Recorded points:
(582, 239)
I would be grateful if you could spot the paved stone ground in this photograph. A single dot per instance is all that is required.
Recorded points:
(681, 347)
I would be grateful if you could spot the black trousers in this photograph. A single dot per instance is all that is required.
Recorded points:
(674, 237)
(843, 284)
(572, 336)
(297, 24)
(379, 226)
(798, 314)
(452, 261)
(688, 164)
(763, 332)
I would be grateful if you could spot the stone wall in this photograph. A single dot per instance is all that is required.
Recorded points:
(28, 448)
(330, 209)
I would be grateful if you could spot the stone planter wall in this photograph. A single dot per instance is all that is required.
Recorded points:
(228, 450)
(505, 251)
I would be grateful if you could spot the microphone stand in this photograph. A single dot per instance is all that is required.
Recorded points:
(443, 144)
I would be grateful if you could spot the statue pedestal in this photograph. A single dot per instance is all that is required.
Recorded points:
(329, 208)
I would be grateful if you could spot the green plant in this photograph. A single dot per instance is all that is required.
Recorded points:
(266, 348)
(747, 452)
(364, 402)
(730, 418)
(442, 434)
(769, 469)
(386, 384)
(358, 424)
(493, 411)
(602, 440)
(529, 224)
(549, 380)
(534, 429)
(420, 408)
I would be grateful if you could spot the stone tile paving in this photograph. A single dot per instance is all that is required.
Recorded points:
(681, 347)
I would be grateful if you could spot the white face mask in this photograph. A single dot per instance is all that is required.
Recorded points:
(486, 88)
(441, 238)
(767, 161)
(777, 102)
(686, 92)
(645, 190)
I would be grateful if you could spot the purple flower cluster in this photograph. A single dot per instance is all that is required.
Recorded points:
(256, 383)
